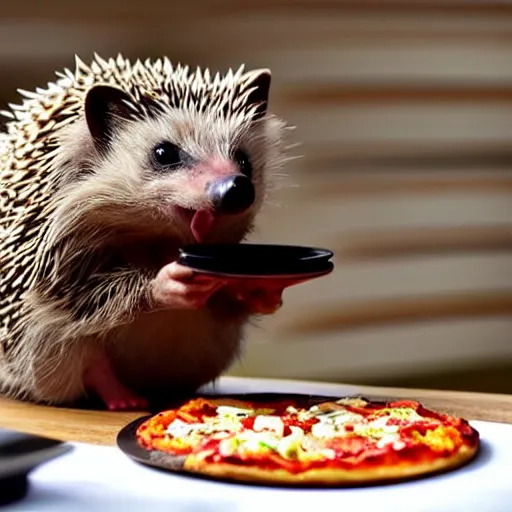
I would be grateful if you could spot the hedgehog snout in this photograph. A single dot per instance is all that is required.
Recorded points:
(231, 194)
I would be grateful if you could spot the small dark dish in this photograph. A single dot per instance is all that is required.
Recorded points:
(257, 260)
(19, 455)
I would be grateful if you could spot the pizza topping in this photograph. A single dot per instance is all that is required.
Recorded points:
(290, 447)
(341, 417)
(391, 439)
(400, 413)
(324, 429)
(179, 428)
(256, 442)
(439, 439)
(234, 412)
(273, 423)
(249, 441)
(331, 423)
(229, 446)
(347, 446)
(354, 402)
(226, 419)
(383, 422)
(371, 431)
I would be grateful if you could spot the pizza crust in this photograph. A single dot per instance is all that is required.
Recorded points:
(331, 476)
(167, 460)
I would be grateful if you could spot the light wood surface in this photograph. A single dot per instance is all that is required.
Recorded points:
(101, 427)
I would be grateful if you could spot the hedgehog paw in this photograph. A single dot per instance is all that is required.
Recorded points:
(265, 305)
(101, 379)
(177, 286)
(262, 302)
(126, 401)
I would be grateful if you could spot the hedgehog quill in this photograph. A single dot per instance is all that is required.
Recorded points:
(104, 176)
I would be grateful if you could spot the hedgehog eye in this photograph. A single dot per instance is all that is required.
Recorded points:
(243, 162)
(167, 154)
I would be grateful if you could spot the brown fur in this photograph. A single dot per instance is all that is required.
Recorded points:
(110, 230)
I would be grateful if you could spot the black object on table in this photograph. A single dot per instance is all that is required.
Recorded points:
(21, 453)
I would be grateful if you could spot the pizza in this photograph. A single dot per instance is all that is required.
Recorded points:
(332, 441)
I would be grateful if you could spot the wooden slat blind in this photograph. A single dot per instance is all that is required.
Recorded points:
(347, 315)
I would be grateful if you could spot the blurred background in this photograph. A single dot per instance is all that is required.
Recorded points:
(404, 115)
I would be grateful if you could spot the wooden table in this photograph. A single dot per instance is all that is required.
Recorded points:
(101, 427)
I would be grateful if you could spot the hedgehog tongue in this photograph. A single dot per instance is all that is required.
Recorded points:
(201, 223)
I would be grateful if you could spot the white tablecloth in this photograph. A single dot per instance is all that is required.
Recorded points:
(100, 478)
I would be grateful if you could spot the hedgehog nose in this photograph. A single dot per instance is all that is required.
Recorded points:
(232, 194)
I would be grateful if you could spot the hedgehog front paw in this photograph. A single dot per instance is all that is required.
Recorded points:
(100, 378)
(177, 286)
(264, 303)
(261, 301)
(123, 399)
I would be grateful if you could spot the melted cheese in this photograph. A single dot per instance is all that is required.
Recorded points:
(354, 402)
(377, 428)
(179, 428)
(324, 429)
(346, 417)
(405, 413)
(272, 423)
(229, 446)
(290, 446)
(331, 423)
(257, 441)
(237, 412)
(387, 439)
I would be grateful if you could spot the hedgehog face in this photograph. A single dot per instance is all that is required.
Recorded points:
(199, 174)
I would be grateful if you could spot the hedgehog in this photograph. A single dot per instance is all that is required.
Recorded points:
(106, 174)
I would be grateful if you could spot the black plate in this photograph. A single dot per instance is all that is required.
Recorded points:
(257, 260)
(127, 442)
(20, 454)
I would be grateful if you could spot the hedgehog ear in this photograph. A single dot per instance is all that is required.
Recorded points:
(105, 107)
(260, 81)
